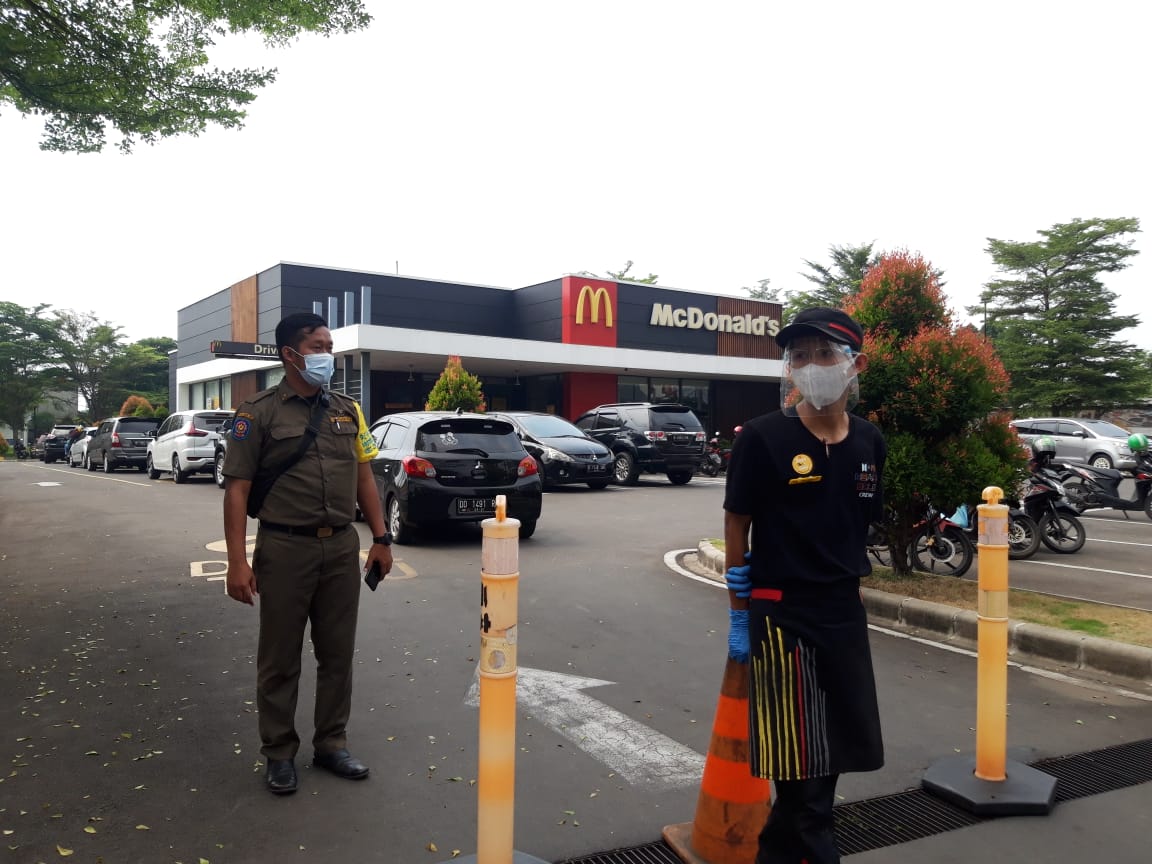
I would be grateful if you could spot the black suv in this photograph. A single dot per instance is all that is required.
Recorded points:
(647, 436)
(120, 442)
(438, 467)
(56, 441)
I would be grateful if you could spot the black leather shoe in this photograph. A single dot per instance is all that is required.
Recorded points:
(281, 776)
(342, 764)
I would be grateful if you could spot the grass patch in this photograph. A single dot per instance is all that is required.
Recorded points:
(1093, 619)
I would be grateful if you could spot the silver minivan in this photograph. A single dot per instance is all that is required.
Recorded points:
(1081, 439)
(185, 444)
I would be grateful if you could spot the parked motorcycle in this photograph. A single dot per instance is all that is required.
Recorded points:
(939, 545)
(1090, 488)
(715, 460)
(20, 450)
(1044, 499)
(1023, 532)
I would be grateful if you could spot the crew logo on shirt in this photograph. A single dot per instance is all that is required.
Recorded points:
(802, 463)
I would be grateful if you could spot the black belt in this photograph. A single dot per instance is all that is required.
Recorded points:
(305, 530)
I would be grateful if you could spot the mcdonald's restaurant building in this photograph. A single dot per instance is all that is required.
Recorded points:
(561, 346)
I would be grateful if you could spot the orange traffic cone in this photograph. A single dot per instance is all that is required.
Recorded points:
(733, 805)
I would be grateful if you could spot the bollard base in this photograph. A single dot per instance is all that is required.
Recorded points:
(1024, 791)
(517, 858)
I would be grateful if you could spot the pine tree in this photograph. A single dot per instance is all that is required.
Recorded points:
(456, 389)
(1054, 322)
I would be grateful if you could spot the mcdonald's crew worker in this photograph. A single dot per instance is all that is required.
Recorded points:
(805, 481)
(306, 564)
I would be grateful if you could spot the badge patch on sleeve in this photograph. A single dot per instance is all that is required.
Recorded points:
(240, 429)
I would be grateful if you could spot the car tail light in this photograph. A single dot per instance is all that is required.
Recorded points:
(655, 435)
(700, 436)
(115, 439)
(527, 467)
(414, 466)
(193, 432)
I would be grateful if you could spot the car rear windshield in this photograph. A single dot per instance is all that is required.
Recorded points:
(548, 426)
(210, 422)
(138, 424)
(475, 437)
(670, 418)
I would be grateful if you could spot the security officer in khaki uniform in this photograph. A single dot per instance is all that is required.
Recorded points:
(306, 565)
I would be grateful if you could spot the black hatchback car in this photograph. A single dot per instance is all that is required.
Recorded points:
(439, 467)
(647, 436)
(564, 452)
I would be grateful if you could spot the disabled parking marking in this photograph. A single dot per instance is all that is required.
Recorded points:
(217, 571)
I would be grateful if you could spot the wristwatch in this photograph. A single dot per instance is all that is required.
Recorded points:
(384, 539)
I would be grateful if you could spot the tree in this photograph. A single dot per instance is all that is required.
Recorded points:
(141, 369)
(84, 348)
(622, 276)
(142, 67)
(136, 406)
(24, 377)
(456, 389)
(934, 390)
(1054, 323)
(835, 282)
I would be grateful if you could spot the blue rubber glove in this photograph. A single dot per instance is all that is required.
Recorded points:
(738, 644)
(739, 579)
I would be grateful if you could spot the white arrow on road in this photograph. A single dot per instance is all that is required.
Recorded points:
(640, 755)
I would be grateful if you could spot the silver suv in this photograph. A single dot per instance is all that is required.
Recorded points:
(1080, 439)
(185, 444)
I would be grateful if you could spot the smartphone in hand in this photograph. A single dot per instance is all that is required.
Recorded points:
(372, 577)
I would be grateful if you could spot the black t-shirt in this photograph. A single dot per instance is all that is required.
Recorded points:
(810, 504)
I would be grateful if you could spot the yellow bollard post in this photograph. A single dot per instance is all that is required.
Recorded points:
(496, 777)
(992, 639)
(988, 784)
(496, 755)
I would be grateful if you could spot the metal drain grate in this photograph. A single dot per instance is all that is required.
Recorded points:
(892, 819)
(1100, 770)
(650, 853)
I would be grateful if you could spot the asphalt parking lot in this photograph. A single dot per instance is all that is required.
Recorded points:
(130, 682)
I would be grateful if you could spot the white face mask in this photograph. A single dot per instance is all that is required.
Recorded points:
(823, 385)
(318, 368)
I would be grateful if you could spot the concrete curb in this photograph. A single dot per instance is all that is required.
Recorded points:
(1031, 644)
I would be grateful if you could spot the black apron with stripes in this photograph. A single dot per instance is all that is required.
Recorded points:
(812, 694)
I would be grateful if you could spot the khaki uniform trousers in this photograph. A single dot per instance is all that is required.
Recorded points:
(305, 580)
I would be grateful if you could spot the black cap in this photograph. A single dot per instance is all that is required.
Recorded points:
(825, 321)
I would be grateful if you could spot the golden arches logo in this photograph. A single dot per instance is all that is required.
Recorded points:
(597, 295)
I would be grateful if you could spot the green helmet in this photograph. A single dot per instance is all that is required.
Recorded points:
(1045, 444)
(1138, 443)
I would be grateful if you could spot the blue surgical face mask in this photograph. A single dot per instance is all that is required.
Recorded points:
(318, 368)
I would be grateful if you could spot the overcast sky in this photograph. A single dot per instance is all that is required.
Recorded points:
(714, 144)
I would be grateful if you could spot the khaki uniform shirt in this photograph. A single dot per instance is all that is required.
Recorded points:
(320, 489)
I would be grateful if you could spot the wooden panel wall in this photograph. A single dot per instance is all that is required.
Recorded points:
(746, 344)
(244, 311)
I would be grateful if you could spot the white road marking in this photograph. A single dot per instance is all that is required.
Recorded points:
(640, 755)
(48, 483)
(1082, 567)
(91, 476)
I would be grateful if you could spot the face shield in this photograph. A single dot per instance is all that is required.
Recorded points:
(819, 377)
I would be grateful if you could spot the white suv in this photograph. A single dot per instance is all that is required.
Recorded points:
(1081, 439)
(185, 444)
